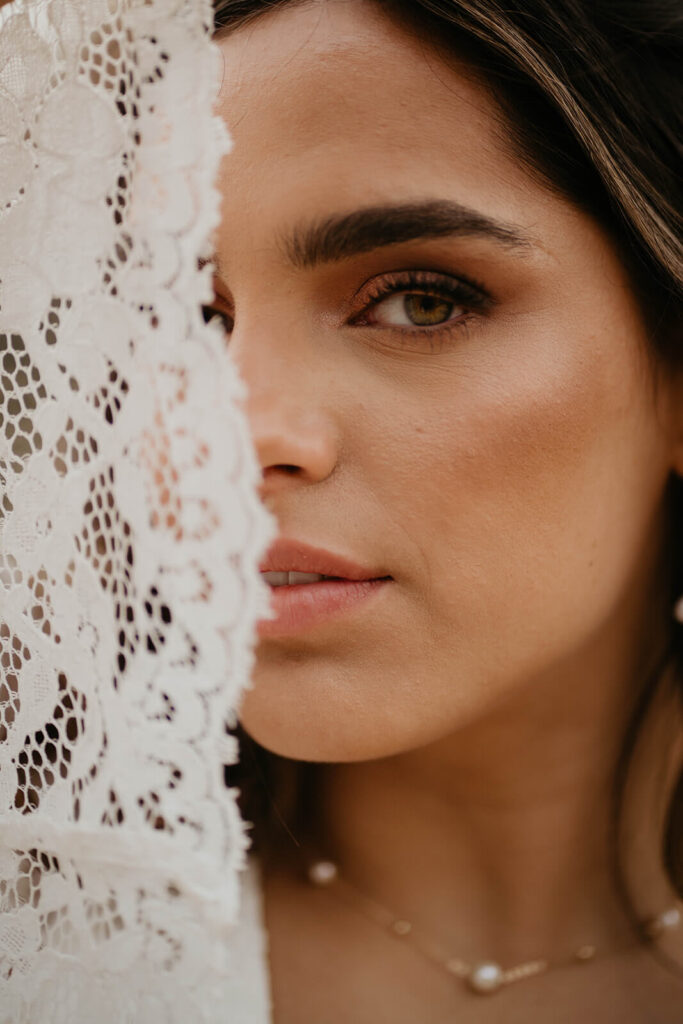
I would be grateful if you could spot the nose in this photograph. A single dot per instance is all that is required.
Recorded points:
(289, 413)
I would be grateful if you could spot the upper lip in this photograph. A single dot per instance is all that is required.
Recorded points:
(294, 556)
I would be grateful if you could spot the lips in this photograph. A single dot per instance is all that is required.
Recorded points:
(293, 556)
(300, 606)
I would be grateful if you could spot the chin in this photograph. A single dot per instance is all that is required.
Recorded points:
(307, 726)
(308, 736)
(323, 713)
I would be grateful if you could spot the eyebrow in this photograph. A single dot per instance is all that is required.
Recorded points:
(341, 237)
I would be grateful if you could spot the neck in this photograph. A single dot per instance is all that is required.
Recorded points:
(498, 840)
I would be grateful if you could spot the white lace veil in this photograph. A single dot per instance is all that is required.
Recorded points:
(130, 529)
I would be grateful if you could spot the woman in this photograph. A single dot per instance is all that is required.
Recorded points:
(450, 266)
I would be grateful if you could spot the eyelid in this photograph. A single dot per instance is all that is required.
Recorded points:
(220, 299)
(220, 304)
(459, 290)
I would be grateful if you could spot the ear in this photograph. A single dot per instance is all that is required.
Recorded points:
(666, 368)
(674, 386)
(676, 419)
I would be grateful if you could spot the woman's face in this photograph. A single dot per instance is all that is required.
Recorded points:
(448, 384)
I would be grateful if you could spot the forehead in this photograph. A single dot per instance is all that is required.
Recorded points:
(333, 106)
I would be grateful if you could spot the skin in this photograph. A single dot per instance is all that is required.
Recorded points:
(508, 469)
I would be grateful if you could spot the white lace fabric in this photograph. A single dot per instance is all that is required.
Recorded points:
(130, 529)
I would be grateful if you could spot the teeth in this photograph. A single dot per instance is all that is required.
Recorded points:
(305, 577)
(284, 579)
(276, 579)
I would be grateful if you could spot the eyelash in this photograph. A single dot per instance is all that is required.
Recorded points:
(460, 291)
(213, 313)
(471, 296)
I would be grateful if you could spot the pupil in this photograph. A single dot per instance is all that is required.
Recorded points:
(427, 310)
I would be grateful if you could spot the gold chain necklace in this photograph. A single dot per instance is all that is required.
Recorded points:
(483, 977)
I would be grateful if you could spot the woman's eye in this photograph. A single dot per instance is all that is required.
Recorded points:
(414, 309)
(418, 300)
(211, 312)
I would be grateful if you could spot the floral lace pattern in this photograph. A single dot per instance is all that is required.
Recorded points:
(130, 529)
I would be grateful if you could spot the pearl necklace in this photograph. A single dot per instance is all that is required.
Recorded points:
(484, 977)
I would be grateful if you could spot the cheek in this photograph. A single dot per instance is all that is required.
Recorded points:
(525, 486)
(513, 502)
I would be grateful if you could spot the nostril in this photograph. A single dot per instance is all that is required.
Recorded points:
(279, 470)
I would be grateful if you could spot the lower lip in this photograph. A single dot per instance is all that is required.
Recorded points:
(305, 605)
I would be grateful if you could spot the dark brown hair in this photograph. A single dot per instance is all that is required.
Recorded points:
(592, 101)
